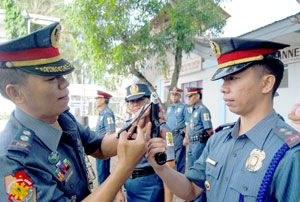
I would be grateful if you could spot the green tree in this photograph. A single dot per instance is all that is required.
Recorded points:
(15, 25)
(120, 36)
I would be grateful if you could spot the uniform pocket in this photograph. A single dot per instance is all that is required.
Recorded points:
(247, 183)
(214, 171)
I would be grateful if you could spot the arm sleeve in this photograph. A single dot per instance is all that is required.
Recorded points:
(109, 123)
(205, 118)
(285, 184)
(43, 187)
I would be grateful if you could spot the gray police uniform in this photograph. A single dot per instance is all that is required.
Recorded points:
(144, 184)
(176, 118)
(105, 124)
(42, 163)
(232, 167)
(200, 120)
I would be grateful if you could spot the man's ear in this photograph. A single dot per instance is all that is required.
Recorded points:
(268, 82)
(14, 93)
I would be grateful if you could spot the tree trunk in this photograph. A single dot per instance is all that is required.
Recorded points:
(177, 69)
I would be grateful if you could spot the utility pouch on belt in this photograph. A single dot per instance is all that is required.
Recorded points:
(203, 136)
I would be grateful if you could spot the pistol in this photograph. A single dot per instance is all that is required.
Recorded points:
(160, 157)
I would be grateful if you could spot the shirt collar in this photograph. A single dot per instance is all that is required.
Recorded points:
(49, 135)
(259, 132)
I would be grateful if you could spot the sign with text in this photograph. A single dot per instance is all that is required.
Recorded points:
(290, 55)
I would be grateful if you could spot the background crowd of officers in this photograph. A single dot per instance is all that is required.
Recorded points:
(188, 124)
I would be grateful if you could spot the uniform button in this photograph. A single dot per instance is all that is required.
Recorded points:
(245, 188)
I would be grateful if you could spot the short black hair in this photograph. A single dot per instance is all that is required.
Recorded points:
(274, 67)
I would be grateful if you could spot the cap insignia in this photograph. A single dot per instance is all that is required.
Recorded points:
(134, 89)
(55, 35)
(215, 48)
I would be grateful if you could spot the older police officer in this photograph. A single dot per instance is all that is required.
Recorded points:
(258, 157)
(42, 148)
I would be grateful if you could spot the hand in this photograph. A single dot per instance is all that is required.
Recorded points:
(155, 145)
(130, 152)
(120, 197)
(185, 141)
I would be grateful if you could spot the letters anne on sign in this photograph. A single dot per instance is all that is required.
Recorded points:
(290, 55)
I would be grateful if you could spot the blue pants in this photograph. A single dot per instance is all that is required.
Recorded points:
(103, 172)
(180, 151)
(195, 150)
(145, 189)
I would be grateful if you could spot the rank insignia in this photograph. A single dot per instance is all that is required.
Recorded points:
(255, 160)
(110, 120)
(169, 138)
(20, 187)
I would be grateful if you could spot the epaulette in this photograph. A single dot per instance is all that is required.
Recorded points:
(23, 141)
(224, 126)
(289, 136)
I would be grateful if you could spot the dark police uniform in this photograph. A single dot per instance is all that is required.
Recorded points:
(144, 184)
(105, 124)
(261, 164)
(38, 161)
(176, 119)
(42, 163)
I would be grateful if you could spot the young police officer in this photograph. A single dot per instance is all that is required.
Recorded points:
(258, 157)
(42, 148)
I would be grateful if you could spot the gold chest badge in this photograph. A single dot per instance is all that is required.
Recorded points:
(255, 160)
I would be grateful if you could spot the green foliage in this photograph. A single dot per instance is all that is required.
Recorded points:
(118, 36)
(15, 24)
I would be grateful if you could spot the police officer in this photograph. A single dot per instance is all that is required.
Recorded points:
(256, 158)
(176, 119)
(42, 148)
(199, 125)
(144, 184)
(105, 126)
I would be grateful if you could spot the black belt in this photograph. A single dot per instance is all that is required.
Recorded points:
(201, 137)
(142, 172)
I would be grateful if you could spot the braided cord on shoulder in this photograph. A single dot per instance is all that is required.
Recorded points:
(270, 172)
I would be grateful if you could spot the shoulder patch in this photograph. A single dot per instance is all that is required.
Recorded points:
(23, 141)
(224, 126)
(20, 187)
(289, 136)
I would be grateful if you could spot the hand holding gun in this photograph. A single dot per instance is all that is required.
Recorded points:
(160, 157)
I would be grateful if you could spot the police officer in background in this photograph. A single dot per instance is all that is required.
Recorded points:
(199, 128)
(42, 147)
(176, 119)
(144, 184)
(256, 158)
(199, 125)
(105, 126)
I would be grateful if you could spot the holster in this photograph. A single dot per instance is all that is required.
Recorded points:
(203, 136)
